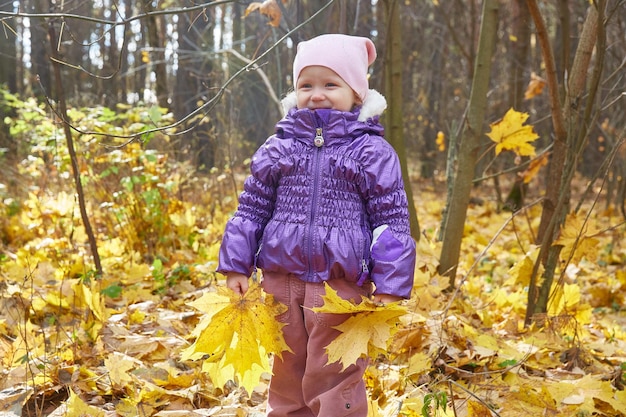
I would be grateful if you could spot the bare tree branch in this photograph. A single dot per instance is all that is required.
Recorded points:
(252, 65)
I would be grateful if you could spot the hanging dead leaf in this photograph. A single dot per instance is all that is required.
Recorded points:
(534, 166)
(510, 134)
(268, 8)
(535, 86)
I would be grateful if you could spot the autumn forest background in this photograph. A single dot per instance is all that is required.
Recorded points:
(126, 130)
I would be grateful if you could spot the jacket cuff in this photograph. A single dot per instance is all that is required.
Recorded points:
(393, 263)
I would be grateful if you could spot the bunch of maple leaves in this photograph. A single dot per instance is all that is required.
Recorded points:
(74, 344)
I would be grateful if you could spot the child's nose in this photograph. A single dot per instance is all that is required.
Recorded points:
(317, 95)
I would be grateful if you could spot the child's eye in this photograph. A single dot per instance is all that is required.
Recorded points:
(305, 85)
(331, 85)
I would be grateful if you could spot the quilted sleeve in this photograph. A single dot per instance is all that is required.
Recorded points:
(393, 248)
(256, 205)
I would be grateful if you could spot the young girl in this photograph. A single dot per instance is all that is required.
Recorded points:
(325, 203)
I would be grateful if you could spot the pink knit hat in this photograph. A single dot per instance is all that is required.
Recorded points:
(348, 56)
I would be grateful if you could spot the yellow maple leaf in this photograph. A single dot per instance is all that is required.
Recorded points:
(521, 272)
(119, 366)
(93, 299)
(578, 239)
(366, 333)
(78, 408)
(477, 409)
(583, 393)
(429, 290)
(565, 299)
(565, 306)
(239, 331)
(510, 134)
(220, 374)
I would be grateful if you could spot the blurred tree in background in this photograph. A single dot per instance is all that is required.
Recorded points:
(220, 68)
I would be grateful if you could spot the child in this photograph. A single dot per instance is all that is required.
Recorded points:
(325, 202)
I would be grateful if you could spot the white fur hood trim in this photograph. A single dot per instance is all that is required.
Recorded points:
(374, 104)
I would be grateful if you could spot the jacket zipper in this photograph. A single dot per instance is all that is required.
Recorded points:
(319, 142)
(365, 270)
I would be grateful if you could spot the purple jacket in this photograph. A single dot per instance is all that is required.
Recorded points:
(324, 208)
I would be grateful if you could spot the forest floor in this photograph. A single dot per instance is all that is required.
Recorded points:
(68, 352)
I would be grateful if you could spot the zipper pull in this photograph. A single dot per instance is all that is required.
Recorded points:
(319, 139)
(364, 274)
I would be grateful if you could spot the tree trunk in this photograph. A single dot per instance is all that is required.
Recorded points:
(8, 81)
(393, 64)
(40, 70)
(155, 30)
(193, 81)
(456, 206)
(570, 134)
(125, 88)
(517, 81)
(434, 88)
(111, 92)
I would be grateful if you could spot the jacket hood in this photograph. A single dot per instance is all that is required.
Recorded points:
(374, 105)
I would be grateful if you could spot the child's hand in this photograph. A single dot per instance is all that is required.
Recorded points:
(237, 282)
(385, 298)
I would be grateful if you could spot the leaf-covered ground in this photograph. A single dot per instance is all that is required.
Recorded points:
(112, 346)
(75, 344)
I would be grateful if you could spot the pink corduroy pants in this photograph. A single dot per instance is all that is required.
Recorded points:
(303, 384)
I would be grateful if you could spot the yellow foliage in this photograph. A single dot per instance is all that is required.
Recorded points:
(510, 134)
(477, 409)
(92, 298)
(78, 408)
(584, 393)
(119, 365)
(441, 141)
(367, 332)
(428, 291)
(578, 237)
(117, 337)
(521, 272)
(238, 331)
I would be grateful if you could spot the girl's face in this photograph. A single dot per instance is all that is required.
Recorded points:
(320, 87)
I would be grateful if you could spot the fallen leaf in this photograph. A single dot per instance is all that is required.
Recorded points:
(78, 408)
(578, 237)
(119, 366)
